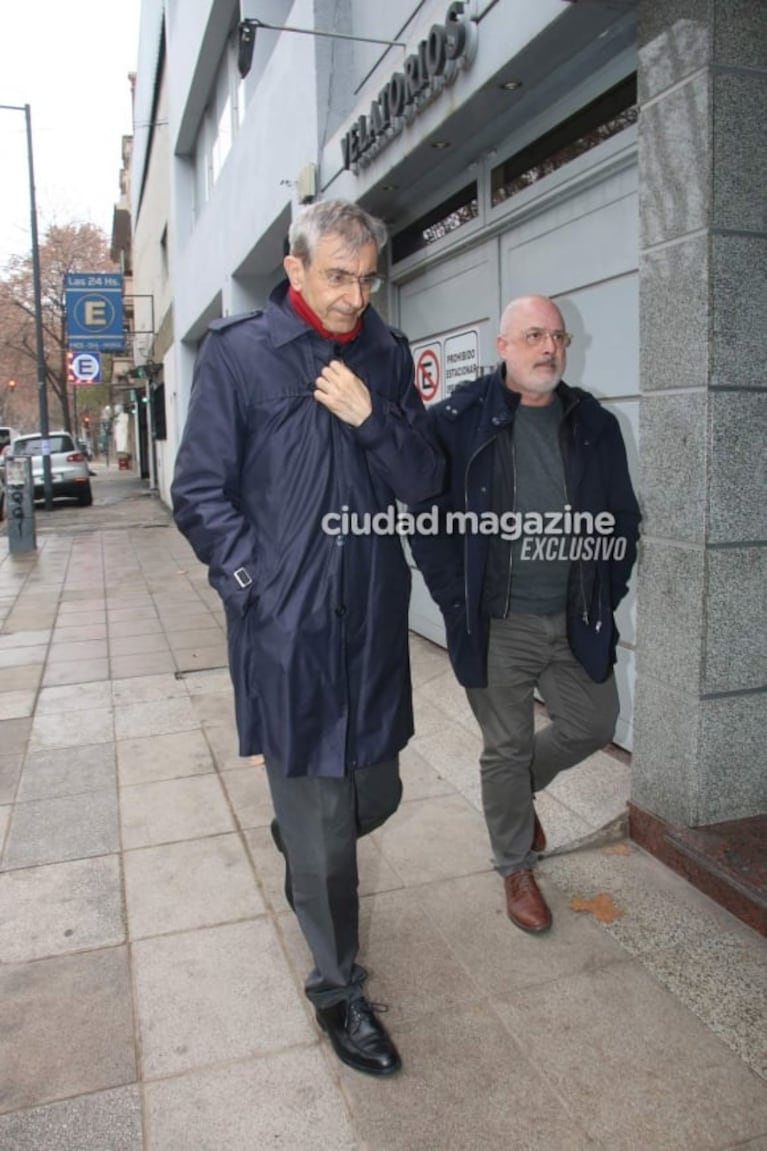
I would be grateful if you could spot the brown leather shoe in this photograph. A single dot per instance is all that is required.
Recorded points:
(539, 835)
(525, 906)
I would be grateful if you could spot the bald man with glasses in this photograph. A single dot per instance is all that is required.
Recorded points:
(530, 604)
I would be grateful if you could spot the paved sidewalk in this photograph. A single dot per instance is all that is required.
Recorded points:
(151, 972)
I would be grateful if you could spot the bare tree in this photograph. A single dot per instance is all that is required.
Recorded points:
(65, 248)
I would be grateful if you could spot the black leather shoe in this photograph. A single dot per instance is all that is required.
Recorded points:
(359, 1039)
(275, 830)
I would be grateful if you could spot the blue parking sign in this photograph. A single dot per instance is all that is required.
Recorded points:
(94, 305)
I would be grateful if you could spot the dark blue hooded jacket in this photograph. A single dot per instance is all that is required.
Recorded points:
(597, 480)
(317, 621)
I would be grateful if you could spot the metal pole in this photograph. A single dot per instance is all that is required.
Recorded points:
(42, 392)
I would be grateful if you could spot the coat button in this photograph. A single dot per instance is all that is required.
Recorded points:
(341, 610)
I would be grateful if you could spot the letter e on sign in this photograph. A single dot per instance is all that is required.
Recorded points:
(428, 371)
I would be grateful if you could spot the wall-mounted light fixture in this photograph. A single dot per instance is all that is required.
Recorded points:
(248, 27)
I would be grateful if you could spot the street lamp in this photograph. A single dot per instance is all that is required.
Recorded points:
(42, 394)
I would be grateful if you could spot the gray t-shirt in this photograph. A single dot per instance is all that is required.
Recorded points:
(538, 585)
(529, 464)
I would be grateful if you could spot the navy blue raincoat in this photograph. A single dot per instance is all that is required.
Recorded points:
(316, 617)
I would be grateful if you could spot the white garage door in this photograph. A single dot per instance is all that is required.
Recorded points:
(583, 253)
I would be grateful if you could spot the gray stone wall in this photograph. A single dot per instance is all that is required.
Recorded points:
(700, 752)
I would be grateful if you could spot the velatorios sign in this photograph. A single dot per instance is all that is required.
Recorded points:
(449, 48)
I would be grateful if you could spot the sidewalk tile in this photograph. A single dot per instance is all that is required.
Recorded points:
(213, 708)
(143, 624)
(24, 678)
(471, 914)
(156, 757)
(189, 637)
(249, 795)
(68, 771)
(659, 910)
(194, 659)
(59, 908)
(181, 886)
(638, 1034)
(419, 779)
(131, 666)
(16, 704)
(107, 1120)
(211, 681)
(197, 619)
(71, 633)
(173, 810)
(291, 1100)
(413, 982)
(54, 830)
(465, 1085)
(15, 639)
(14, 734)
(596, 790)
(82, 609)
(19, 656)
(434, 839)
(33, 612)
(72, 729)
(148, 689)
(82, 671)
(117, 615)
(66, 651)
(562, 826)
(736, 1008)
(269, 866)
(222, 737)
(137, 644)
(453, 751)
(214, 995)
(74, 697)
(67, 1027)
(158, 717)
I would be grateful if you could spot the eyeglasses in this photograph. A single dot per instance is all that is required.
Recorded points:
(337, 278)
(534, 337)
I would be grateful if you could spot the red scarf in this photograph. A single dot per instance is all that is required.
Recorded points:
(305, 312)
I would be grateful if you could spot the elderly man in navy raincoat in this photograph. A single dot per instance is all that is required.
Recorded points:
(302, 419)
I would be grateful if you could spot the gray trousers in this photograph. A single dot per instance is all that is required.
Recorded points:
(320, 822)
(529, 651)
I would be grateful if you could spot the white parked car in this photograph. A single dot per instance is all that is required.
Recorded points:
(70, 474)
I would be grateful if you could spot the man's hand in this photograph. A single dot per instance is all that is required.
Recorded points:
(342, 393)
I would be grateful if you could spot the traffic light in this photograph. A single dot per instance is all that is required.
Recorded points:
(87, 423)
(11, 385)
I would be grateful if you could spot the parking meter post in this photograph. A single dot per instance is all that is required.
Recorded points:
(21, 505)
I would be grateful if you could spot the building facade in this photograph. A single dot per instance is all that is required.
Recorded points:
(607, 153)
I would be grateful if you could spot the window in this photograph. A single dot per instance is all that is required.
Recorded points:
(218, 125)
(611, 113)
(158, 412)
(451, 214)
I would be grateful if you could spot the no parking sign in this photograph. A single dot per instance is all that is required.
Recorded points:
(428, 370)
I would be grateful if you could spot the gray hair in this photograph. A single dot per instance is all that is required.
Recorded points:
(334, 217)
